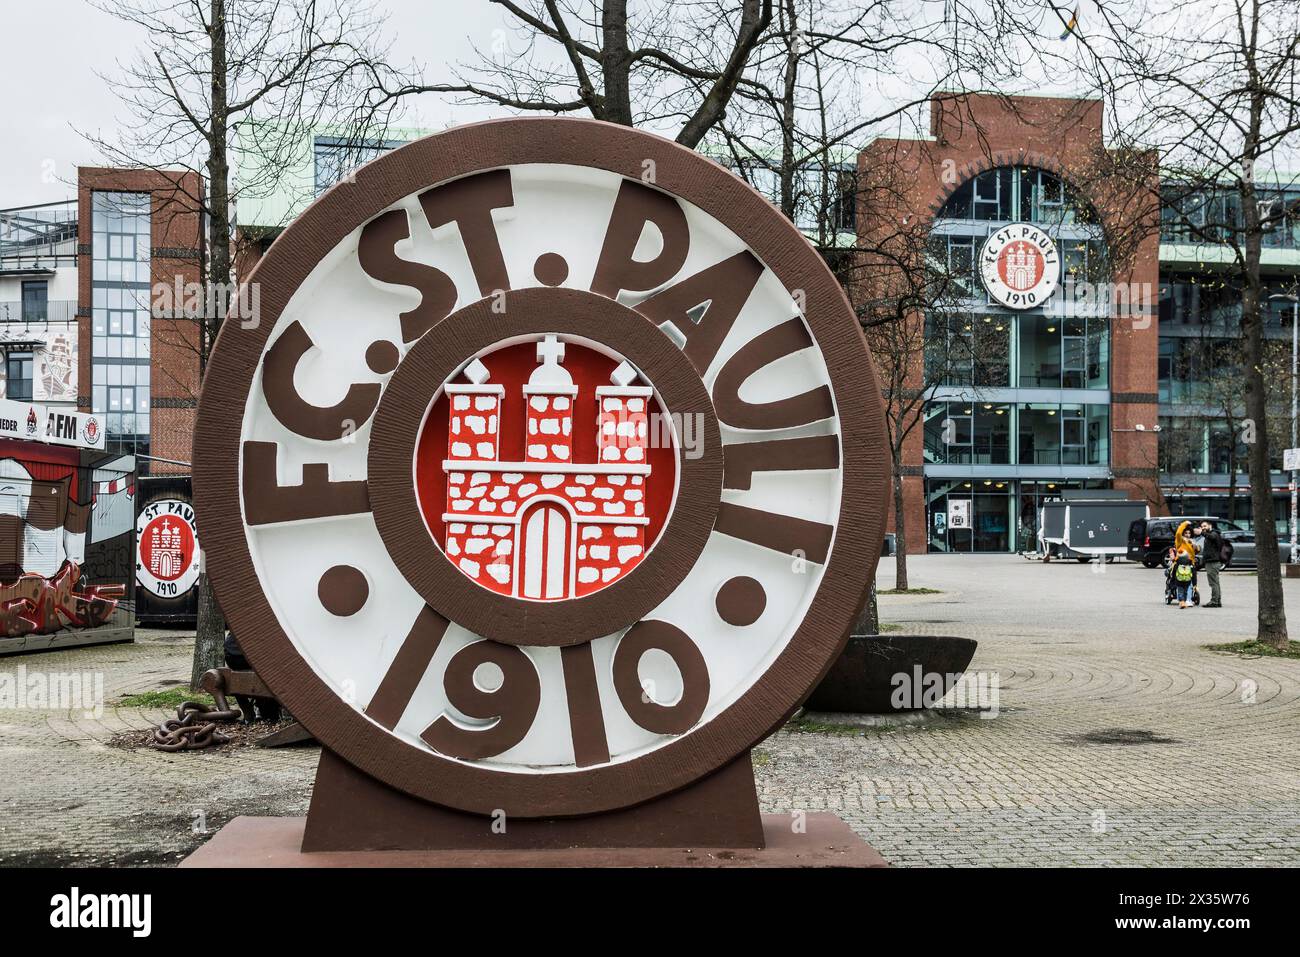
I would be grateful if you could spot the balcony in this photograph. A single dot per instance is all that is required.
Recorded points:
(54, 311)
(35, 240)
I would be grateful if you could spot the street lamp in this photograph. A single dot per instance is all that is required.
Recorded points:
(1295, 341)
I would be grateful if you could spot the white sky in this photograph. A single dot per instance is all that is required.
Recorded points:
(54, 48)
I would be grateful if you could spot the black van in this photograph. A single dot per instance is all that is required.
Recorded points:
(1149, 539)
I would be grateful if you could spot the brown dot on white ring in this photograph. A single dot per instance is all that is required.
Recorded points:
(740, 601)
(382, 356)
(551, 269)
(343, 590)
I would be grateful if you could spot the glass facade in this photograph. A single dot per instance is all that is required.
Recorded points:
(825, 195)
(968, 350)
(1021, 398)
(120, 317)
(1018, 194)
(980, 433)
(333, 158)
(961, 433)
(1211, 301)
(1201, 371)
(997, 515)
(1189, 215)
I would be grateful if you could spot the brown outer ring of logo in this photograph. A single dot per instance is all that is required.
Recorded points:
(820, 637)
(434, 358)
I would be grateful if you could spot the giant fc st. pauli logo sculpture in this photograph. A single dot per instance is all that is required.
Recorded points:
(552, 476)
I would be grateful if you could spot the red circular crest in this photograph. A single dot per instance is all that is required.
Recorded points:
(1021, 265)
(548, 470)
(167, 547)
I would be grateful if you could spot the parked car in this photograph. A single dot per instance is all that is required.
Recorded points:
(1243, 546)
(1149, 540)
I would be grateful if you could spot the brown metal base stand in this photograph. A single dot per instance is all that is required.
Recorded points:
(355, 821)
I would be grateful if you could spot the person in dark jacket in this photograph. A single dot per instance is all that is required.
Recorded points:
(1213, 557)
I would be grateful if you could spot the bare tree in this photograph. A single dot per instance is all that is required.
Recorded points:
(800, 112)
(1215, 88)
(284, 66)
(910, 302)
(794, 131)
(1206, 380)
(670, 64)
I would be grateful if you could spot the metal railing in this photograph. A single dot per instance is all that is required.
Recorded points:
(55, 310)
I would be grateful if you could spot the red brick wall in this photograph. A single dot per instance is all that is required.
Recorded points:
(905, 182)
(176, 240)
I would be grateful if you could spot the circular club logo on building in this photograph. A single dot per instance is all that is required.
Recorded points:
(553, 485)
(167, 559)
(1020, 266)
(90, 431)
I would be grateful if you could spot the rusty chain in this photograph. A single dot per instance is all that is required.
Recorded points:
(195, 725)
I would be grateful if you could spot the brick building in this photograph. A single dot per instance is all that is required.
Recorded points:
(1056, 395)
(139, 234)
(88, 291)
(1028, 395)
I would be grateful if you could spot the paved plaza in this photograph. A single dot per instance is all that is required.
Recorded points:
(1118, 740)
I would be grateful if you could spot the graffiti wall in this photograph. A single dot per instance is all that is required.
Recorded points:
(67, 524)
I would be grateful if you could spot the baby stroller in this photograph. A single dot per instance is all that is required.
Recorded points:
(1171, 583)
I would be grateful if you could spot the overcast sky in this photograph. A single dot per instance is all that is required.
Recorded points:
(54, 48)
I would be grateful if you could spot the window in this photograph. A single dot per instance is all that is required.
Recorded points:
(120, 317)
(1195, 214)
(823, 196)
(120, 247)
(335, 157)
(844, 198)
(1098, 449)
(961, 266)
(969, 350)
(1063, 434)
(1182, 444)
(1046, 195)
(966, 433)
(992, 195)
(1072, 435)
(949, 430)
(1068, 352)
(988, 506)
(18, 376)
(1074, 354)
(36, 300)
(1008, 194)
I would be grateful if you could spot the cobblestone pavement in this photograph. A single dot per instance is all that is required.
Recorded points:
(69, 798)
(1078, 651)
(1081, 656)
